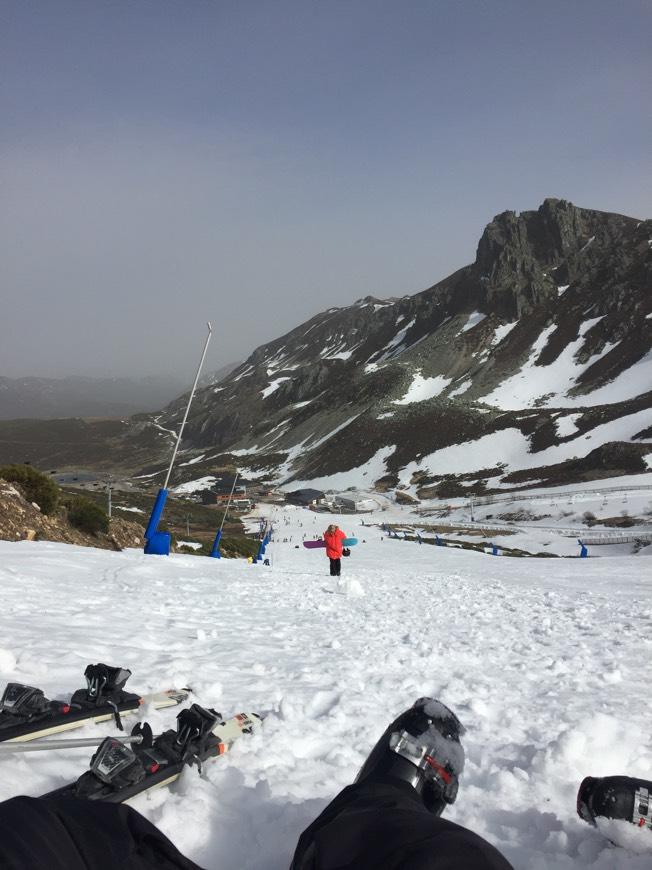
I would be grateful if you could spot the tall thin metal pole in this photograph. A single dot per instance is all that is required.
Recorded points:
(185, 416)
(229, 501)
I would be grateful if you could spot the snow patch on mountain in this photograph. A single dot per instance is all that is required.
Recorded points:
(337, 353)
(502, 332)
(244, 374)
(632, 382)
(334, 431)
(193, 461)
(513, 448)
(534, 383)
(458, 391)
(273, 387)
(195, 485)
(566, 425)
(474, 318)
(398, 339)
(361, 477)
(421, 389)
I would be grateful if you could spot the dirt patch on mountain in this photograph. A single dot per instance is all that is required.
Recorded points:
(21, 520)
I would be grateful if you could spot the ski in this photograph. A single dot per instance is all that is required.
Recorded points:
(119, 772)
(26, 714)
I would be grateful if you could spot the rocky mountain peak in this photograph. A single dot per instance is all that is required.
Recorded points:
(518, 254)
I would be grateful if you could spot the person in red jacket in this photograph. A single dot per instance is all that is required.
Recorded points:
(334, 537)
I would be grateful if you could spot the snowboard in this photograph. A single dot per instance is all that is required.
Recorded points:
(315, 545)
(119, 772)
(26, 714)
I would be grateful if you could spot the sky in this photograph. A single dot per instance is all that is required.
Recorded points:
(164, 163)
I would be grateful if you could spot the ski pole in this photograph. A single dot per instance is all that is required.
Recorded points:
(63, 744)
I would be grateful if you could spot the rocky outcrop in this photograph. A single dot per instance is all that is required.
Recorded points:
(522, 259)
(22, 520)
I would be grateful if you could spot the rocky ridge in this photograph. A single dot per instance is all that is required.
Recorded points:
(21, 520)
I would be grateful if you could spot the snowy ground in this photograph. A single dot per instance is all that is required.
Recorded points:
(545, 661)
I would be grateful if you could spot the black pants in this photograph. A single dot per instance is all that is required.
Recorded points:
(372, 826)
(384, 826)
(336, 567)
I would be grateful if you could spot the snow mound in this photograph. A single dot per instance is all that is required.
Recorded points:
(7, 661)
(350, 587)
(626, 835)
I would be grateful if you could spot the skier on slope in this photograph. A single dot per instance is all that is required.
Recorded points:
(334, 537)
(387, 820)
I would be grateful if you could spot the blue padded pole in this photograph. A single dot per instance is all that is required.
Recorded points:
(215, 551)
(157, 511)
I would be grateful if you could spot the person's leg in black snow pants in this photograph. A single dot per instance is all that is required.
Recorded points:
(336, 566)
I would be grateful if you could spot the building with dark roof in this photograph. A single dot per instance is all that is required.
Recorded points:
(304, 497)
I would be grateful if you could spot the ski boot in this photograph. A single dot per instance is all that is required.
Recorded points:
(615, 797)
(421, 747)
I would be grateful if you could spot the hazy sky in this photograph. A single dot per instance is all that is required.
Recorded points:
(253, 162)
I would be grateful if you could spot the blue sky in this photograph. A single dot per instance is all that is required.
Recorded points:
(164, 163)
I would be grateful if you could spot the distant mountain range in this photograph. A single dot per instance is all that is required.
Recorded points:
(531, 365)
(50, 398)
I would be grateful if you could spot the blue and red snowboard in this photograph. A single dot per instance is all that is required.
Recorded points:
(313, 545)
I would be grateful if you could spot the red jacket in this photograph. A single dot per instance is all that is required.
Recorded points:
(334, 543)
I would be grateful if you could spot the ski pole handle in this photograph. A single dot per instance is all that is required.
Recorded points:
(63, 744)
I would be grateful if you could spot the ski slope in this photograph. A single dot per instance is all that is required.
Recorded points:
(545, 661)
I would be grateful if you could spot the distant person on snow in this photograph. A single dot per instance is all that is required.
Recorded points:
(334, 537)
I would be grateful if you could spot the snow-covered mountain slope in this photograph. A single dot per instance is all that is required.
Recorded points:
(546, 669)
(534, 362)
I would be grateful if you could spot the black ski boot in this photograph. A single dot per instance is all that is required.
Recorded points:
(615, 797)
(421, 747)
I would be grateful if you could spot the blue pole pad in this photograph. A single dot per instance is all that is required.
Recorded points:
(157, 511)
(158, 544)
(215, 551)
